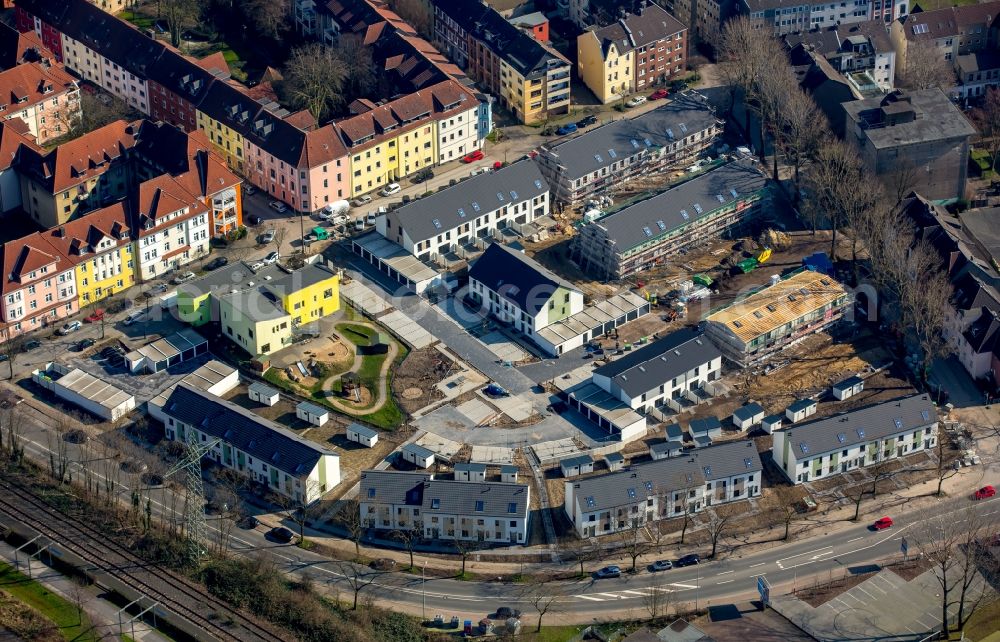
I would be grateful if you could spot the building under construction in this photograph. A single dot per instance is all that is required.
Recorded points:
(647, 234)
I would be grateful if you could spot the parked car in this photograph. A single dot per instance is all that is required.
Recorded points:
(382, 564)
(95, 316)
(609, 571)
(659, 94)
(568, 128)
(255, 220)
(278, 207)
(83, 344)
(479, 170)
(882, 523)
(132, 318)
(361, 200)
(390, 189)
(660, 565)
(256, 265)
(119, 306)
(267, 237)
(587, 121)
(505, 612)
(248, 189)
(370, 219)
(249, 522)
(635, 101)
(31, 345)
(216, 263)
(425, 174)
(4, 357)
(473, 157)
(72, 326)
(271, 258)
(280, 534)
(183, 278)
(359, 224)
(985, 492)
(688, 560)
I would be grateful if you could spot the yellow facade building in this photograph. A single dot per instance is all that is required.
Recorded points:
(308, 294)
(604, 67)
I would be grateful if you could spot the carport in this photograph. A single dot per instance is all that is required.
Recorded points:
(161, 354)
(391, 259)
(591, 323)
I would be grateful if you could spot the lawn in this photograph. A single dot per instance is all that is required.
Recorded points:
(62, 613)
(359, 335)
(551, 633)
(982, 624)
(930, 5)
(142, 21)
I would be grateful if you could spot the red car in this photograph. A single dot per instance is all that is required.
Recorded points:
(95, 317)
(658, 94)
(882, 523)
(985, 492)
(473, 157)
(498, 165)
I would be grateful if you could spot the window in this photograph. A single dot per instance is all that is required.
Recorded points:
(512, 508)
(479, 505)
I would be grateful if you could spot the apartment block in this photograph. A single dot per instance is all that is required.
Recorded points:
(261, 450)
(949, 32)
(662, 489)
(638, 51)
(614, 153)
(861, 51)
(781, 17)
(856, 439)
(39, 286)
(653, 231)
(445, 509)
(43, 96)
(769, 319)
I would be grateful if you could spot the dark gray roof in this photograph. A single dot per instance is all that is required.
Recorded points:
(701, 440)
(665, 447)
(748, 411)
(262, 390)
(937, 118)
(614, 457)
(978, 61)
(673, 209)
(902, 415)
(801, 404)
(447, 496)
(773, 419)
(674, 431)
(506, 469)
(235, 276)
(579, 460)
(517, 277)
(312, 409)
(244, 430)
(850, 382)
(706, 425)
(364, 431)
(471, 467)
(667, 475)
(417, 450)
(591, 151)
(456, 205)
(304, 277)
(643, 370)
(650, 24)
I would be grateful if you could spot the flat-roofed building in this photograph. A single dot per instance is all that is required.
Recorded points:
(646, 234)
(663, 489)
(773, 317)
(856, 439)
(83, 389)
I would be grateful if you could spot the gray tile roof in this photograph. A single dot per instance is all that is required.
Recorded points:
(417, 450)
(508, 469)
(312, 409)
(801, 404)
(261, 389)
(878, 421)
(643, 370)
(850, 382)
(364, 431)
(456, 205)
(674, 431)
(591, 151)
(579, 460)
(676, 207)
(445, 496)
(614, 457)
(471, 467)
(748, 411)
(705, 425)
(664, 476)
(244, 430)
(517, 277)
(937, 119)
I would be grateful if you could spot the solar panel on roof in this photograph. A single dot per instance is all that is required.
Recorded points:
(697, 207)
(635, 143)
(748, 462)
(437, 223)
(612, 153)
(631, 493)
(475, 206)
(538, 183)
(649, 486)
(708, 471)
(461, 213)
(804, 447)
(898, 422)
(590, 502)
(598, 158)
(861, 433)
(500, 197)
(513, 195)
(647, 231)
(841, 437)
(661, 225)
(926, 415)
(684, 214)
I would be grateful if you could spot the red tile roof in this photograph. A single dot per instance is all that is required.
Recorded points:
(31, 83)
(27, 254)
(77, 238)
(159, 197)
(13, 139)
(81, 159)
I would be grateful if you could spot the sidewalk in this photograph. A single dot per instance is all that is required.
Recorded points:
(102, 613)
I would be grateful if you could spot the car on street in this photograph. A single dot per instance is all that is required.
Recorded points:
(119, 306)
(370, 219)
(473, 157)
(568, 128)
(72, 326)
(256, 265)
(688, 560)
(271, 258)
(278, 207)
(390, 189)
(506, 612)
(216, 263)
(267, 237)
(95, 316)
(83, 344)
(31, 345)
(361, 200)
(587, 121)
(132, 318)
(882, 523)
(985, 492)
(659, 94)
(382, 564)
(635, 101)
(249, 522)
(255, 220)
(479, 170)
(359, 224)
(248, 189)
(608, 571)
(280, 534)
(660, 565)
(425, 174)
(183, 278)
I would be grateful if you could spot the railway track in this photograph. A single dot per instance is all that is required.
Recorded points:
(173, 592)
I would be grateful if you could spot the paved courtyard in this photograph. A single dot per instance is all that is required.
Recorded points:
(476, 411)
(503, 347)
(145, 386)
(410, 331)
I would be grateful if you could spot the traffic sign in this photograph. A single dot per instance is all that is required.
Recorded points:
(903, 546)
(764, 589)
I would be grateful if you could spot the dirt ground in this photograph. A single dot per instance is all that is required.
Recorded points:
(415, 378)
(817, 596)
(354, 457)
(282, 412)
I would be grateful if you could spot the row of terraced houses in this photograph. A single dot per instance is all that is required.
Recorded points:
(434, 118)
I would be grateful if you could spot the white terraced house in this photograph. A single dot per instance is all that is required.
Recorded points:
(664, 489)
(445, 509)
(817, 449)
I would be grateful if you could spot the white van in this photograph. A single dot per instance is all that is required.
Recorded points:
(336, 207)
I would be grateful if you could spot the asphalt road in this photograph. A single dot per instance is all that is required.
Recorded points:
(733, 577)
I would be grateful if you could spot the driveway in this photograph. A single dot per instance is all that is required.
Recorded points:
(951, 375)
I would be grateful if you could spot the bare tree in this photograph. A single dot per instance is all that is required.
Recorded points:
(408, 537)
(279, 238)
(802, 126)
(10, 348)
(417, 14)
(349, 517)
(543, 597)
(719, 524)
(58, 447)
(465, 548)
(314, 78)
(926, 68)
(13, 432)
(357, 577)
(838, 187)
(632, 541)
(943, 468)
(787, 509)
(582, 550)
(659, 597)
(987, 120)
(269, 18)
(179, 15)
